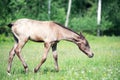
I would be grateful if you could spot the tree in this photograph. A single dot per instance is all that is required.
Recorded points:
(4, 16)
(99, 17)
(49, 8)
(111, 11)
(68, 13)
(83, 16)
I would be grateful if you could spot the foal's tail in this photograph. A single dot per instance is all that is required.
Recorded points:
(10, 25)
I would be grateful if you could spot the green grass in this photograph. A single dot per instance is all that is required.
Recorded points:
(74, 65)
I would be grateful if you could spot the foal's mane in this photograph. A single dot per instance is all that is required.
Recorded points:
(65, 27)
(81, 36)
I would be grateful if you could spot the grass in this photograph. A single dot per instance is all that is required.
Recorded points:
(74, 65)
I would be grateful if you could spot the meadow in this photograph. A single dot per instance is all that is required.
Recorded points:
(74, 65)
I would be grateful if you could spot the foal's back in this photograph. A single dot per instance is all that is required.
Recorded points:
(38, 30)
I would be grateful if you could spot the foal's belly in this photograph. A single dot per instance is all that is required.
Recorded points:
(36, 38)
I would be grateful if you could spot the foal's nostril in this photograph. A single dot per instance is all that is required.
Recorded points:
(90, 56)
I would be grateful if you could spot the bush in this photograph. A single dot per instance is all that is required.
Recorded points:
(82, 24)
(3, 38)
(58, 15)
(89, 24)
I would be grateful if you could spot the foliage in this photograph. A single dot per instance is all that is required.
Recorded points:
(74, 65)
(57, 14)
(83, 24)
(89, 24)
(3, 38)
(83, 13)
(111, 11)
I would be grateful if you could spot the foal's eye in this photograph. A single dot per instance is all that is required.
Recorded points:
(86, 45)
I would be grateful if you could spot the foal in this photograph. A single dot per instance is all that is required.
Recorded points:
(43, 31)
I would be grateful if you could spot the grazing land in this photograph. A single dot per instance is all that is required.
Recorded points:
(74, 65)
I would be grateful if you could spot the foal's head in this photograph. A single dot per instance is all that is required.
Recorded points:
(84, 45)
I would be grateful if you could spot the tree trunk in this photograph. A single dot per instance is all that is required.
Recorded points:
(68, 13)
(49, 9)
(99, 17)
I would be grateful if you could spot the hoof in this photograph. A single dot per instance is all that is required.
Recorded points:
(35, 70)
(26, 70)
(8, 74)
(57, 69)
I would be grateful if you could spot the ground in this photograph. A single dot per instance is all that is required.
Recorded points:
(74, 65)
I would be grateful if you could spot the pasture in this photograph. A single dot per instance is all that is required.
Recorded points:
(74, 65)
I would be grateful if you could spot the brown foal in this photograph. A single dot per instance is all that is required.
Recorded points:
(48, 32)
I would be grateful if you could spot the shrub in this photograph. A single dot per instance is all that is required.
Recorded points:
(3, 38)
(89, 24)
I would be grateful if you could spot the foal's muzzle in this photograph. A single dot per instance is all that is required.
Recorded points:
(90, 56)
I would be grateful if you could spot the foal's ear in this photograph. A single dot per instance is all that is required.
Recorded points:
(80, 34)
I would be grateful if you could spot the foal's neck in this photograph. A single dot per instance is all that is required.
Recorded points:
(72, 37)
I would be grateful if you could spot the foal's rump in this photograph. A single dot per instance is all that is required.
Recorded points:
(35, 30)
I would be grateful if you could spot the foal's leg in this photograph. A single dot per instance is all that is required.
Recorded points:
(11, 56)
(55, 56)
(18, 50)
(44, 57)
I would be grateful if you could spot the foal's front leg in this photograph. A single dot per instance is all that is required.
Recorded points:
(44, 57)
(55, 56)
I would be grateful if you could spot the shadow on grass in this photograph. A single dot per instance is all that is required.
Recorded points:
(47, 70)
(41, 71)
(19, 71)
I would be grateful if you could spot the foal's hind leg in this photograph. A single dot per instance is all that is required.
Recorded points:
(11, 56)
(18, 50)
(55, 56)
